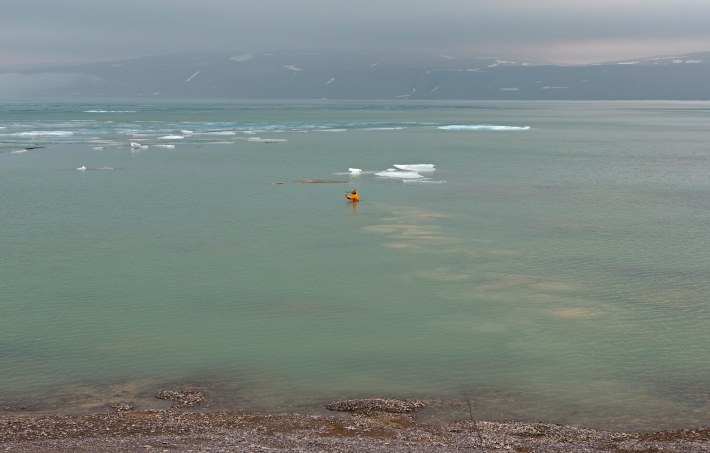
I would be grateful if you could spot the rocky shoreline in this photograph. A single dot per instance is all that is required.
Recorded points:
(372, 425)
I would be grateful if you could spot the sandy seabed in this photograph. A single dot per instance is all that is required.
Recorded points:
(375, 425)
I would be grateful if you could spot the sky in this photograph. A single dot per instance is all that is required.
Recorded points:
(39, 32)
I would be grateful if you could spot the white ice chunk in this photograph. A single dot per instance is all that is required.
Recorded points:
(415, 167)
(482, 127)
(399, 174)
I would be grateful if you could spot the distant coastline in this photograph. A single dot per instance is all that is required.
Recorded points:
(361, 76)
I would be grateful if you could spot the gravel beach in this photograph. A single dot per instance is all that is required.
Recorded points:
(375, 425)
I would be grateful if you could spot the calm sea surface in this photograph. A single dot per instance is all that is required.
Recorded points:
(556, 268)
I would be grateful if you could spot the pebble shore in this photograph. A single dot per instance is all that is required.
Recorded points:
(371, 425)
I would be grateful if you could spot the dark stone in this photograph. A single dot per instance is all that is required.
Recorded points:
(375, 405)
(185, 398)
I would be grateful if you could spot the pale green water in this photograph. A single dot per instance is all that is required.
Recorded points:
(559, 273)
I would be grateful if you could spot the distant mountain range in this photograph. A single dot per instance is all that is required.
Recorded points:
(330, 75)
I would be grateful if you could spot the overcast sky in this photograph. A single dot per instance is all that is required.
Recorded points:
(560, 31)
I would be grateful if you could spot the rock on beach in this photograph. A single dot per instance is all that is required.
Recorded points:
(178, 431)
(375, 405)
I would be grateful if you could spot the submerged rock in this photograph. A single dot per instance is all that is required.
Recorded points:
(12, 408)
(120, 406)
(186, 398)
(374, 405)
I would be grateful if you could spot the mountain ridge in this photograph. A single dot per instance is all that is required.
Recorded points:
(365, 76)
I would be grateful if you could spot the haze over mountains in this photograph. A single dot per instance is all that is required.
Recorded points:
(331, 75)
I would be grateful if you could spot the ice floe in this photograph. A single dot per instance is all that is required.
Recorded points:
(83, 168)
(109, 111)
(399, 174)
(423, 181)
(45, 133)
(482, 127)
(415, 167)
(266, 140)
(219, 133)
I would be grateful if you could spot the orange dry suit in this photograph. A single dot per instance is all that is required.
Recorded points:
(353, 196)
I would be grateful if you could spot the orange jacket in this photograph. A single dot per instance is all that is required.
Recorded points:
(353, 197)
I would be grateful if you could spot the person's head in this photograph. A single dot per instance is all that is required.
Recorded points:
(353, 192)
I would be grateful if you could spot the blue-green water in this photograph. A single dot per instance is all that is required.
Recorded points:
(554, 273)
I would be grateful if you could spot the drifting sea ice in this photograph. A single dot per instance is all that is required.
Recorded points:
(482, 127)
(399, 174)
(415, 167)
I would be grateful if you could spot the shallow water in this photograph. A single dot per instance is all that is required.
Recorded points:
(554, 273)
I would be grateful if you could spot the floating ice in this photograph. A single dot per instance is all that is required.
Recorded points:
(136, 146)
(172, 137)
(482, 127)
(399, 174)
(355, 171)
(48, 133)
(165, 146)
(415, 167)
(266, 140)
(82, 168)
(109, 111)
(423, 181)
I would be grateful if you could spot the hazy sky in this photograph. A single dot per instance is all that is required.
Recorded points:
(561, 31)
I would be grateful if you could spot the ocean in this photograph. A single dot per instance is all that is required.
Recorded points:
(554, 266)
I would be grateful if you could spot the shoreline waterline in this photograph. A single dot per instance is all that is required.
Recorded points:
(221, 394)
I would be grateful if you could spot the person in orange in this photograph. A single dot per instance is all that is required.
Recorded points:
(353, 196)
